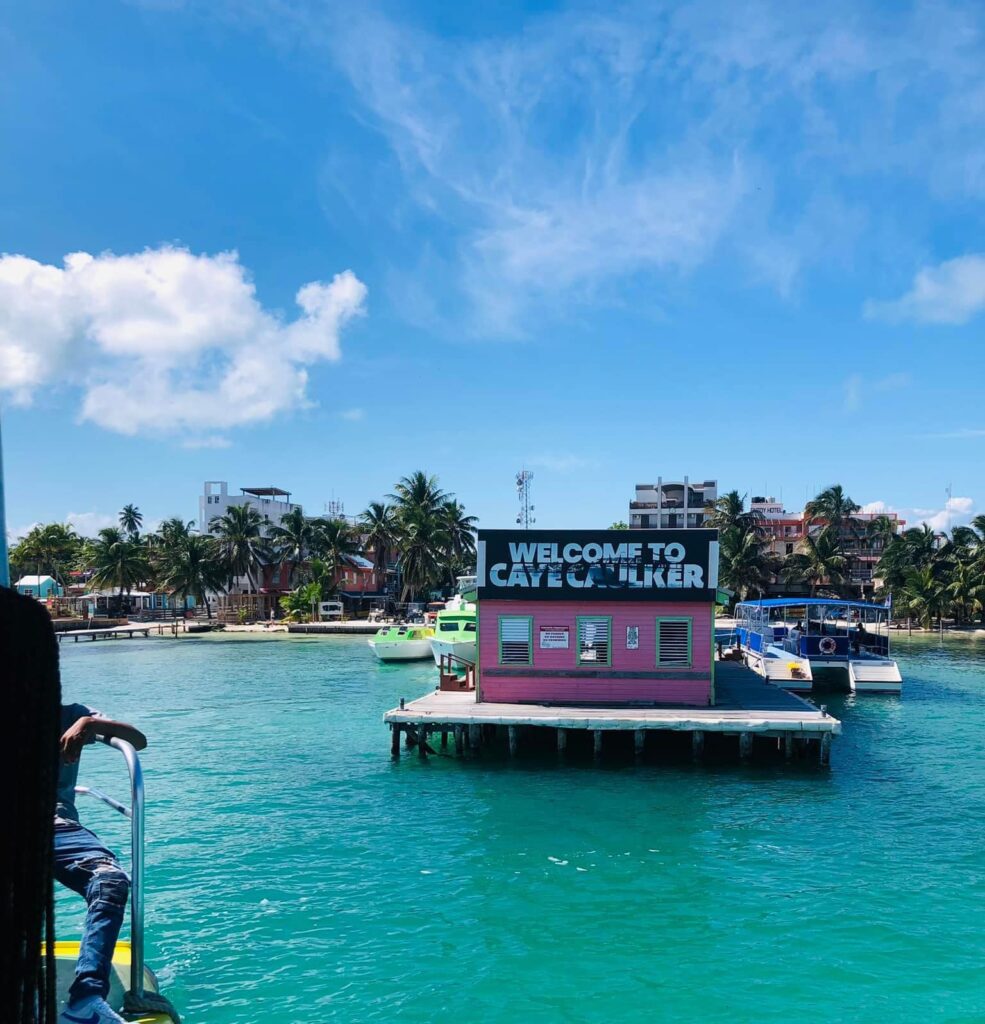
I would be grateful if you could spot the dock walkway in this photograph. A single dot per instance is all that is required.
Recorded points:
(746, 707)
(111, 633)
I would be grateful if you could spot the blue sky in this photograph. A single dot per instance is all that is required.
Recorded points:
(325, 245)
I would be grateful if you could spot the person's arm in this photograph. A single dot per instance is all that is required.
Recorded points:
(88, 727)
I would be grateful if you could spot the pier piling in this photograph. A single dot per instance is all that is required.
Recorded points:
(639, 742)
(459, 740)
(395, 740)
(745, 745)
(597, 743)
(512, 734)
(562, 740)
(697, 744)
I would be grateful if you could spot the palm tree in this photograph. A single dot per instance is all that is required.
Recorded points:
(924, 595)
(730, 511)
(241, 544)
(831, 505)
(334, 543)
(746, 567)
(52, 548)
(379, 525)
(417, 495)
(819, 559)
(119, 560)
(458, 533)
(190, 567)
(418, 501)
(292, 539)
(131, 520)
(966, 587)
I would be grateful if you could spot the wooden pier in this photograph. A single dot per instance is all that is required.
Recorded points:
(355, 628)
(112, 633)
(756, 716)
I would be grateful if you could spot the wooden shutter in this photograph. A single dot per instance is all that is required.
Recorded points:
(515, 639)
(673, 643)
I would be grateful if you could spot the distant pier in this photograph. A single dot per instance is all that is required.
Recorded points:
(749, 717)
(111, 633)
(361, 628)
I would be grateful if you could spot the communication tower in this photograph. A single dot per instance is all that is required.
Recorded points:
(525, 518)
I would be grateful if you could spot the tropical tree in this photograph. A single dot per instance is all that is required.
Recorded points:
(729, 511)
(458, 537)
(818, 560)
(924, 595)
(241, 545)
(417, 495)
(119, 560)
(965, 586)
(49, 549)
(131, 520)
(190, 567)
(746, 566)
(302, 602)
(334, 543)
(379, 526)
(619, 524)
(833, 506)
(291, 540)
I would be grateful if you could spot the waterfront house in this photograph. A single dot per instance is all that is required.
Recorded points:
(41, 587)
(601, 617)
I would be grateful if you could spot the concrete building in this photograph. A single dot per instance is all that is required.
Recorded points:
(785, 531)
(41, 587)
(271, 502)
(671, 506)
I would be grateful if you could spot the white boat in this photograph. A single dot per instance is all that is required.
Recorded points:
(797, 641)
(402, 643)
(455, 626)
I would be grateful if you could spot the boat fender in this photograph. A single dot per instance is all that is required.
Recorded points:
(827, 645)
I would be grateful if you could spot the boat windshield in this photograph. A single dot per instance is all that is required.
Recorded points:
(448, 627)
(469, 627)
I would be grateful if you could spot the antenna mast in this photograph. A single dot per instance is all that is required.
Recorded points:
(525, 518)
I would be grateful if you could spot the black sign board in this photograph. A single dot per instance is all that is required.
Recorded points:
(598, 565)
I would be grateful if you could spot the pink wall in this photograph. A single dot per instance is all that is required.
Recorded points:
(565, 680)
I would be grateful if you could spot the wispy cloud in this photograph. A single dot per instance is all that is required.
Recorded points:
(636, 143)
(951, 292)
(164, 340)
(856, 387)
(961, 434)
(352, 415)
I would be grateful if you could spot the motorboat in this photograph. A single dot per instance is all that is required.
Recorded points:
(406, 642)
(455, 627)
(796, 641)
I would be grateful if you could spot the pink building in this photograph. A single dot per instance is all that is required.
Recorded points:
(606, 617)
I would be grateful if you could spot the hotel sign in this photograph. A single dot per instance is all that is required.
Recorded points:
(598, 565)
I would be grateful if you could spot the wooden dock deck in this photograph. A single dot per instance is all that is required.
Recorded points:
(746, 707)
(110, 633)
(358, 627)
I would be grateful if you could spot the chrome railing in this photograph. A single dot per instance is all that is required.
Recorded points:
(135, 812)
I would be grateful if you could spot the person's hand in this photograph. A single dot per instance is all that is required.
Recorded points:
(76, 737)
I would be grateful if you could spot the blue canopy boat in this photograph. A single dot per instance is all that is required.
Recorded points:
(793, 641)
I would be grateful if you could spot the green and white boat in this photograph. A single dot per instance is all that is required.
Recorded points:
(455, 626)
(402, 642)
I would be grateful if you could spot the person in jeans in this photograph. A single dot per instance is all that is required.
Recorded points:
(83, 864)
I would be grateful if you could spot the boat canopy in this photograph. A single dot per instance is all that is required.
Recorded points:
(809, 602)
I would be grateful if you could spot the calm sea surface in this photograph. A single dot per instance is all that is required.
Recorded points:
(296, 874)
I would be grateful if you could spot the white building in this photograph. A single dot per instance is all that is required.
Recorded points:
(671, 506)
(271, 502)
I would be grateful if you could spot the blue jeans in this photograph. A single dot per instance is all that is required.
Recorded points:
(83, 864)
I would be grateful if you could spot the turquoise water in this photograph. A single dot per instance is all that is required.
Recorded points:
(296, 874)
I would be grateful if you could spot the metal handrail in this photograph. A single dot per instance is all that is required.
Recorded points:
(135, 812)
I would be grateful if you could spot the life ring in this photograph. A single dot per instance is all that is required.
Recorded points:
(827, 645)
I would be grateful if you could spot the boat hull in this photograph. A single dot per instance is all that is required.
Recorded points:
(401, 650)
(464, 649)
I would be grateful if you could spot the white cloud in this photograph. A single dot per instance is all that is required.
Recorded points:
(353, 415)
(211, 441)
(961, 434)
(951, 292)
(164, 340)
(956, 512)
(88, 524)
